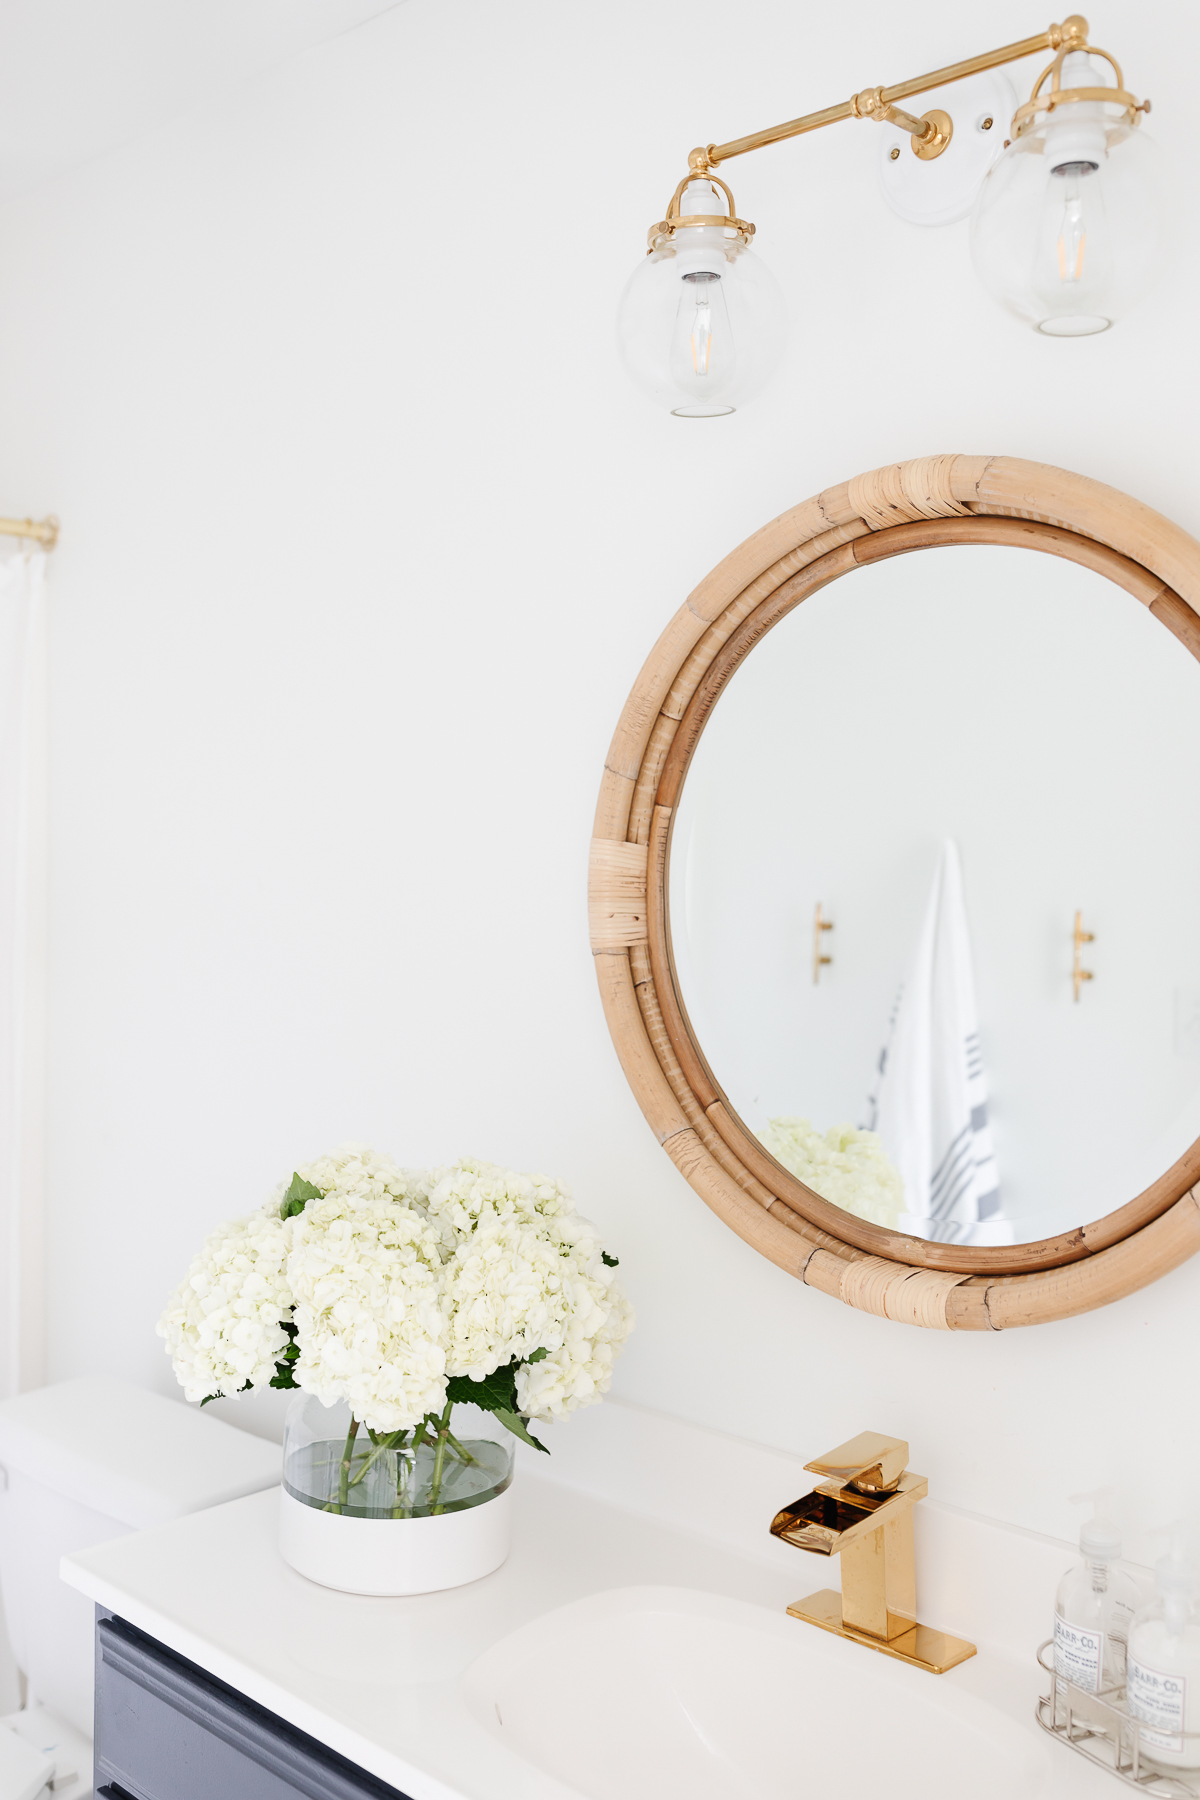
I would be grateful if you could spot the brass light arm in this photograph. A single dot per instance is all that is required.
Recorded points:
(1072, 33)
(930, 134)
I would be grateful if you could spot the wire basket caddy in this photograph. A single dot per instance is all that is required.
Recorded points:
(1101, 1728)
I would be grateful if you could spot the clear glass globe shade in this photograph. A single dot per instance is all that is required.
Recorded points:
(1069, 230)
(702, 324)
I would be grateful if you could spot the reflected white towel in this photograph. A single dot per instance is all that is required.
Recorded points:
(931, 1103)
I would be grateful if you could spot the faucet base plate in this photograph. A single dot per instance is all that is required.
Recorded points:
(919, 1645)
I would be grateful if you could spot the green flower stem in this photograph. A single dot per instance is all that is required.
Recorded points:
(460, 1450)
(400, 1511)
(382, 1444)
(435, 1486)
(347, 1457)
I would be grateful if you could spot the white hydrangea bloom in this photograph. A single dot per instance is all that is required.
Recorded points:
(396, 1279)
(461, 1193)
(365, 1271)
(848, 1166)
(580, 1370)
(222, 1324)
(355, 1169)
(527, 1274)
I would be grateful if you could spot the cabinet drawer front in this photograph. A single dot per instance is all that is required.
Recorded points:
(167, 1731)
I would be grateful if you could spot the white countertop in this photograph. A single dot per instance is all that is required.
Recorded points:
(379, 1680)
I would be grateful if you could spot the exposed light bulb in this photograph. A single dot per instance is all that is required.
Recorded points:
(700, 326)
(703, 350)
(1073, 226)
(1067, 231)
(702, 322)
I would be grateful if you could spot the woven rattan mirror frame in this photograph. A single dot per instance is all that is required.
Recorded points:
(908, 506)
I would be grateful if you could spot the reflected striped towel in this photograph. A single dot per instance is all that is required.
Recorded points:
(930, 1104)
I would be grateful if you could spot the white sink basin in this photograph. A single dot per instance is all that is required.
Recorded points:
(653, 1693)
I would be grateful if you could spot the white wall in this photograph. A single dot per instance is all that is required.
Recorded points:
(364, 541)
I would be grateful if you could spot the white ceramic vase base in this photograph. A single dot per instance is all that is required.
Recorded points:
(395, 1556)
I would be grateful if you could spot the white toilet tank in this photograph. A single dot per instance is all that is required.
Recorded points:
(82, 1462)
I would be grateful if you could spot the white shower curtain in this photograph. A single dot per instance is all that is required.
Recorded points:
(22, 963)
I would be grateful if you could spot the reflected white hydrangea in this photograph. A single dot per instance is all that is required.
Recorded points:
(845, 1165)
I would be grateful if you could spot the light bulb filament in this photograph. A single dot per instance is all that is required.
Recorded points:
(1072, 233)
(1074, 272)
(1072, 240)
(701, 335)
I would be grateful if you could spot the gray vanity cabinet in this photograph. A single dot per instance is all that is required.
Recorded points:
(167, 1731)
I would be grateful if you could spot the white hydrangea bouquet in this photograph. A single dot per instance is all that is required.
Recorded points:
(403, 1294)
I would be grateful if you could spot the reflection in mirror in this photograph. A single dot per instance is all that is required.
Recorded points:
(952, 753)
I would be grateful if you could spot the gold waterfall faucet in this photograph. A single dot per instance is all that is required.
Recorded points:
(864, 1513)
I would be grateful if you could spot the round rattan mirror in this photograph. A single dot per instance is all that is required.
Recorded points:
(932, 828)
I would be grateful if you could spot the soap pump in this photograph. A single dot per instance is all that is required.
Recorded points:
(1164, 1659)
(1095, 1605)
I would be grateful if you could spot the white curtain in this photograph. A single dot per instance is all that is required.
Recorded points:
(22, 964)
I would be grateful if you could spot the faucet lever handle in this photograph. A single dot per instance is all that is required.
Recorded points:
(870, 1462)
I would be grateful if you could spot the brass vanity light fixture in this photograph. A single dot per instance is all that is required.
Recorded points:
(820, 957)
(1064, 233)
(864, 1513)
(1079, 938)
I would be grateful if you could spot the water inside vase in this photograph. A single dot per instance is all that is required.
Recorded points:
(379, 1482)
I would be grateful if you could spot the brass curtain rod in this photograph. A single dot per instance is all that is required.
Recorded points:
(41, 531)
(877, 100)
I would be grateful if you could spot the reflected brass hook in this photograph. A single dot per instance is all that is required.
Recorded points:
(819, 960)
(1078, 973)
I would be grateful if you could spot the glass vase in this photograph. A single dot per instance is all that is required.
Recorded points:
(448, 1504)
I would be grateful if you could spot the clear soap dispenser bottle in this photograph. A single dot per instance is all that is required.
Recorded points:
(1164, 1660)
(1094, 1608)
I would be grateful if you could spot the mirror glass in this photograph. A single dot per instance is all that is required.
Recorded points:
(953, 754)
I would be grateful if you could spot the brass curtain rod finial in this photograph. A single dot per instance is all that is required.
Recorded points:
(37, 531)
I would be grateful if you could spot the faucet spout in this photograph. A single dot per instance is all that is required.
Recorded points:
(831, 1518)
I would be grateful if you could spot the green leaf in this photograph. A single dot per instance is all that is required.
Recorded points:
(282, 1378)
(497, 1392)
(610, 1262)
(245, 1389)
(513, 1422)
(297, 1197)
